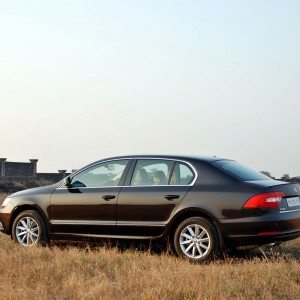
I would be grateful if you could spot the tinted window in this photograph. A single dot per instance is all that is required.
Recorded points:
(152, 172)
(237, 170)
(103, 174)
(182, 175)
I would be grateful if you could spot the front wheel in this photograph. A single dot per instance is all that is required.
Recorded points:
(196, 239)
(29, 229)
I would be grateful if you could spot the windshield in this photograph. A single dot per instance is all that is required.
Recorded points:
(238, 170)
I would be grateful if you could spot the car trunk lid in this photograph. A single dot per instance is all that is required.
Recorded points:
(291, 199)
(275, 197)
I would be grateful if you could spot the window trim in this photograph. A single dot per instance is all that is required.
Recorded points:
(137, 161)
(193, 169)
(133, 162)
(125, 173)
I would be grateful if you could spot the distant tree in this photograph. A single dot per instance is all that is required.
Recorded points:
(266, 173)
(286, 177)
(295, 179)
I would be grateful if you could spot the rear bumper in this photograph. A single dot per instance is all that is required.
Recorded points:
(247, 240)
(261, 230)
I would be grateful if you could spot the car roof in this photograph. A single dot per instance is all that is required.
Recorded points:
(169, 156)
(188, 158)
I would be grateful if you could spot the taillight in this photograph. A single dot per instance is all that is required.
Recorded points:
(265, 200)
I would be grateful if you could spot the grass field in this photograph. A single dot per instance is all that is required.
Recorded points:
(64, 271)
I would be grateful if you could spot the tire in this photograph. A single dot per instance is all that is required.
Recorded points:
(29, 229)
(204, 247)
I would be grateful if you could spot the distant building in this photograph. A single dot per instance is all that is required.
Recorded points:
(10, 171)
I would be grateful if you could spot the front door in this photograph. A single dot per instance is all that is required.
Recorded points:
(148, 199)
(88, 206)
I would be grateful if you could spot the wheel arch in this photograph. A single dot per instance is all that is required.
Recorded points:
(193, 212)
(21, 208)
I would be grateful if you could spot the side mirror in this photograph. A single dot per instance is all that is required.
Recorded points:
(67, 182)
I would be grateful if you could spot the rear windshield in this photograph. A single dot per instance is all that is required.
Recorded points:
(238, 170)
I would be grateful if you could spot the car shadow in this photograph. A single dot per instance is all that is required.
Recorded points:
(161, 247)
(267, 252)
(120, 245)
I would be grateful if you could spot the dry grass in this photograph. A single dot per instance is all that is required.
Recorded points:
(107, 272)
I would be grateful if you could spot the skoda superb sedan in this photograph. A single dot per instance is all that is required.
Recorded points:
(201, 205)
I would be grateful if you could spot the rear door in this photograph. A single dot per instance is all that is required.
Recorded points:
(152, 191)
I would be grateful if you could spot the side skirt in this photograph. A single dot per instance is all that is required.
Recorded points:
(61, 236)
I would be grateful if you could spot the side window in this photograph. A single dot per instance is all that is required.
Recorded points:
(103, 174)
(152, 172)
(182, 174)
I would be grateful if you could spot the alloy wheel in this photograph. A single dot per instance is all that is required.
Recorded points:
(195, 241)
(27, 231)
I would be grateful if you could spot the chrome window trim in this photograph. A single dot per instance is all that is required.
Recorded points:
(194, 171)
(90, 166)
(175, 160)
(170, 159)
(121, 186)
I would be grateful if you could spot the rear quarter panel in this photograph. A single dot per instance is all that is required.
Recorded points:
(217, 193)
(221, 201)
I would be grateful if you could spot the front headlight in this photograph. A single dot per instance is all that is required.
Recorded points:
(6, 201)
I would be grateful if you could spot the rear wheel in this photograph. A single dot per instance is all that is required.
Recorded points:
(29, 229)
(196, 239)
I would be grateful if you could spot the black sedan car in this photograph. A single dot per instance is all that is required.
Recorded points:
(201, 205)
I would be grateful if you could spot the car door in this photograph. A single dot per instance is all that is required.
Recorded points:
(152, 191)
(88, 205)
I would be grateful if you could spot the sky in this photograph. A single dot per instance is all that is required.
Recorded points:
(86, 80)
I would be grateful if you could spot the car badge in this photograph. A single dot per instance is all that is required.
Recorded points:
(295, 190)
